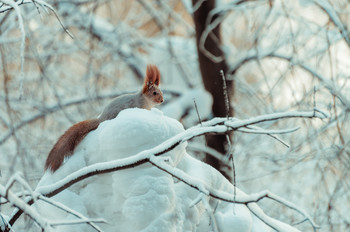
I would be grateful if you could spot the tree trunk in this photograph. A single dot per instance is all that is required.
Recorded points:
(210, 71)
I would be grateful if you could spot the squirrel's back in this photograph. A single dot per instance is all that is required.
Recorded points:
(121, 103)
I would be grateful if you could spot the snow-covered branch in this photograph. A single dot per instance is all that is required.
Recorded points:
(214, 126)
(241, 198)
(82, 218)
(333, 16)
(23, 205)
(9, 5)
(14, 5)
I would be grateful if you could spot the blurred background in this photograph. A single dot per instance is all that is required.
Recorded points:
(277, 55)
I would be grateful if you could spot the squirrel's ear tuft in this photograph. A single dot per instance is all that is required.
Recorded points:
(152, 77)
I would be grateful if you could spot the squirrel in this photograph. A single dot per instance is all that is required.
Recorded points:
(149, 96)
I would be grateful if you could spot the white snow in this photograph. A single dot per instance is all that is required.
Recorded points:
(144, 198)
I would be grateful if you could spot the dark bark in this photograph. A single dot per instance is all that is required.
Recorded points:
(210, 71)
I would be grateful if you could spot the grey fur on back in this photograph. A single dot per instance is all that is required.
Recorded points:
(121, 103)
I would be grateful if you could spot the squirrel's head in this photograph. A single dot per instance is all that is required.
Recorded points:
(151, 86)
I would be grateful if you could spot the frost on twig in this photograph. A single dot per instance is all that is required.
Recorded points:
(11, 4)
(7, 196)
(241, 198)
(82, 218)
(23, 206)
(14, 5)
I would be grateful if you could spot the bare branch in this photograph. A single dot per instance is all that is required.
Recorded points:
(227, 102)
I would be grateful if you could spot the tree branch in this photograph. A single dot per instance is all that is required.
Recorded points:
(214, 126)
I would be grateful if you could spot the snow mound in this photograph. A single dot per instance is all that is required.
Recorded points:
(143, 198)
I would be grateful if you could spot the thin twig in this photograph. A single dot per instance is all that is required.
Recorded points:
(224, 86)
(80, 221)
(210, 212)
(233, 168)
(72, 212)
(195, 106)
(314, 97)
(57, 17)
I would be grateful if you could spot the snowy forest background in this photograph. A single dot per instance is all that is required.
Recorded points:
(279, 55)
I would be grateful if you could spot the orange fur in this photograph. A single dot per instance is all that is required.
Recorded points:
(152, 77)
(68, 141)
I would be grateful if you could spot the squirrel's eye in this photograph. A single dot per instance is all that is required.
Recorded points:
(154, 93)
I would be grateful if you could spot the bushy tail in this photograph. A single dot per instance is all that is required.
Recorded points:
(68, 141)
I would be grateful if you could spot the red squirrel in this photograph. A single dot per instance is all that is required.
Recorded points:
(149, 96)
